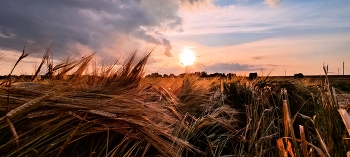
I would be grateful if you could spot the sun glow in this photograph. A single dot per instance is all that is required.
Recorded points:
(187, 57)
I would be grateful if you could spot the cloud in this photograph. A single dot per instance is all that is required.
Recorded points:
(297, 16)
(95, 24)
(272, 3)
(153, 60)
(168, 47)
(192, 1)
(273, 65)
(257, 57)
(299, 53)
(229, 67)
(191, 5)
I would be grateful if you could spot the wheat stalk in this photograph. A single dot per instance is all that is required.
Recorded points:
(26, 105)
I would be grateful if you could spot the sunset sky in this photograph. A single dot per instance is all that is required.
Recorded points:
(237, 36)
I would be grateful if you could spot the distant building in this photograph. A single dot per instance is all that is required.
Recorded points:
(253, 76)
(298, 76)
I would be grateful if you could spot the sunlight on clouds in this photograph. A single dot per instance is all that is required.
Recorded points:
(272, 3)
(241, 33)
(230, 19)
(304, 54)
(258, 18)
(195, 5)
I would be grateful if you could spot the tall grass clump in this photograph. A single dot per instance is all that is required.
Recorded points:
(328, 121)
(259, 117)
(69, 115)
(276, 118)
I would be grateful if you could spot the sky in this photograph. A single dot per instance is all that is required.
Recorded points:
(271, 37)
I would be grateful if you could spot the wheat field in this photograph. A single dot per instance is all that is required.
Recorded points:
(75, 108)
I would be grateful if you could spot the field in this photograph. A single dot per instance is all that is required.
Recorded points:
(107, 111)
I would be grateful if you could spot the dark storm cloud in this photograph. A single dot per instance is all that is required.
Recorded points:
(228, 67)
(96, 24)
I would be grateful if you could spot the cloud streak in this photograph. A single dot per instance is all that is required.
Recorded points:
(232, 67)
(257, 18)
(257, 57)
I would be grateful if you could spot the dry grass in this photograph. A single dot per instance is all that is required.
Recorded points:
(77, 109)
(111, 110)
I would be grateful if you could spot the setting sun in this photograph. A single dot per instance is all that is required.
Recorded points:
(187, 57)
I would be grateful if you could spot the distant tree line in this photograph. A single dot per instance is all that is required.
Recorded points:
(199, 74)
(153, 75)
